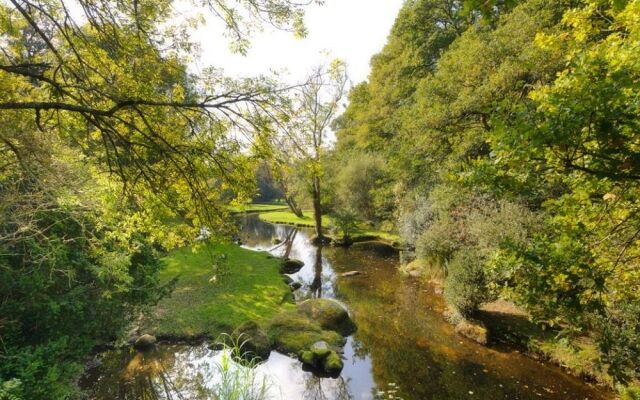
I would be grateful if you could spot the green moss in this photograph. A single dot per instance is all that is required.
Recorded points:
(291, 332)
(252, 340)
(219, 286)
(307, 357)
(329, 314)
(333, 363)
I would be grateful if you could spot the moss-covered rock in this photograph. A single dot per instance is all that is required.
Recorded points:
(473, 330)
(333, 363)
(308, 358)
(291, 266)
(253, 341)
(293, 332)
(321, 357)
(329, 314)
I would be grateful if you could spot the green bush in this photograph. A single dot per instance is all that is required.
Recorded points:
(439, 242)
(344, 224)
(69, 286)
(466, 285)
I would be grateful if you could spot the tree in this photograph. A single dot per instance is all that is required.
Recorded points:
(303, 137)
(110, 153)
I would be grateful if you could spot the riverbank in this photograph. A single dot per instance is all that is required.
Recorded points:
(401, 344)
(258, 207)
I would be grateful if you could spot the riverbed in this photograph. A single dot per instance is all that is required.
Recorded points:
(402, 349)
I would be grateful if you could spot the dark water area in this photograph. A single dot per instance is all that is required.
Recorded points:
(403, 349)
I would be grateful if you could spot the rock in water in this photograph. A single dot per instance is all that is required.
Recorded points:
(333, 364)
(321, 357)
(473, 330)
(291, 266)
(145, 342)
(329, 313)
(253, 341)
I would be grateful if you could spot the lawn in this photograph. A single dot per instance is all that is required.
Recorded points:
(288, 217)
(206, 304)
(258, 207)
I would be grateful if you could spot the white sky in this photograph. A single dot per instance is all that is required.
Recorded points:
(352, 30)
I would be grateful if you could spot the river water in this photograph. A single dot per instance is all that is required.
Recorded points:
(402, 349)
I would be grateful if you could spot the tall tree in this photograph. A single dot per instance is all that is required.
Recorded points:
(305, 134)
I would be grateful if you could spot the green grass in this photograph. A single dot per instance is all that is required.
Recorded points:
(248, 288)
(288, 217)
(258, 207)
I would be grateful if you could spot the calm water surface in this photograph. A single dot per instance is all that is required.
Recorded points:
(402, 347)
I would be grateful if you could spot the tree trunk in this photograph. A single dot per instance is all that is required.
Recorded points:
(317, 208)
(293, 206)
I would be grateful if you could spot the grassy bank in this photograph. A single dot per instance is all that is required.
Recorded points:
(258, 207)
(219, 286)
(289, 218)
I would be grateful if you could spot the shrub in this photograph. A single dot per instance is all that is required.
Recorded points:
(344, 224)
(465, 286)
(438, 242)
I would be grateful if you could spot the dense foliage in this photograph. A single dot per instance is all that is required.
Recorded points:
(111, 152)
(511, 131)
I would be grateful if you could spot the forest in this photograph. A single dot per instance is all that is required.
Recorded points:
(493, 151)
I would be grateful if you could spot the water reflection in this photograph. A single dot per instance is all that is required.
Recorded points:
(316, 284)
(402, 344)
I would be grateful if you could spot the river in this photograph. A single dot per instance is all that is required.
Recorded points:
(402, 349)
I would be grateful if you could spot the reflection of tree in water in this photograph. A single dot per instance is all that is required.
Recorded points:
(316, 284)
(317, 388)
(153, 376)
(287, 243)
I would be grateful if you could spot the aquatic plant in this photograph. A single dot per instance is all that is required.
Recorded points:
(237, 377)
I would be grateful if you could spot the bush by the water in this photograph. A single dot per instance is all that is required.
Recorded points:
(465, 286)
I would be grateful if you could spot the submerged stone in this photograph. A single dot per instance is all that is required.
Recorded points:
(378, 247)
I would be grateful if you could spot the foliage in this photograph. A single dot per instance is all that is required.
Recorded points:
(111, 151)
(344, 224)
(517, 143)
(466, 282)
(268, 188)
(362, 187)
